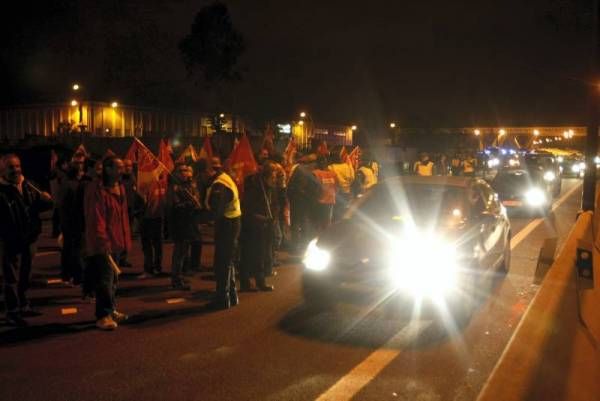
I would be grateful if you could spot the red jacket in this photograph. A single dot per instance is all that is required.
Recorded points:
(106, 220)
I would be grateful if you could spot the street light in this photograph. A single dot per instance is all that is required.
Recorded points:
(392, 125)
(354, 128)
(302, 115)
(536, 132)
(477, 132)
(301, 123)
(502, 132)
(114, 105)
(222, 115)
(75, 87)
(74, 103)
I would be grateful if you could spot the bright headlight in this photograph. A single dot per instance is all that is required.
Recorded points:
(316, 258)
(549, 176)
(423, 265)
(493, 162)
(576, 168)
(560, 159)
(513, 162)
(535, 197)
(597, 159)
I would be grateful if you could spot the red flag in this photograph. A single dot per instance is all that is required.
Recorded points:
(322, 149)
(108, 153)
(268, 138)
(290, 152)
(344, 155)
(133, 153)
(149, 167)
(354, 157)
(164, 154)
(188, 154)
(81, 149)
(53, 159)
(241, 162)
(206, 152)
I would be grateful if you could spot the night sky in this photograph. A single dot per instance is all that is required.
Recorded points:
(439, 63)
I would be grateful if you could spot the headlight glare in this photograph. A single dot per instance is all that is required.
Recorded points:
(535, 197)
(549, 176)
(316, 258)
(423, 265)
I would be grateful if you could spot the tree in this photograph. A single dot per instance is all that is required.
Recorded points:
(213, 46)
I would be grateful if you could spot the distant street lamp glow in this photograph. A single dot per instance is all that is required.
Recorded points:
(302, 115)
(114, 105)
(354, 128)
(502, 131)
(392, 125)
(477, 132)
(536, 132)
(222, 115)
(300, 122)
(76, 87)
(74, 103)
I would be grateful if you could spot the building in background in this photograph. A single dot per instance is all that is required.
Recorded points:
(110, 119)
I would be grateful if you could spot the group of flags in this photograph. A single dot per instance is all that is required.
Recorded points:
(239, 164)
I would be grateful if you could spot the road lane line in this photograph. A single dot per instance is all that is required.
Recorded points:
(46, 253)
(521, 235)
(363, 373)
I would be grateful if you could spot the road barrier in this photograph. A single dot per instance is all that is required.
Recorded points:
(554, 353)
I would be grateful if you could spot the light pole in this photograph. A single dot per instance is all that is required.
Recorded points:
(309, 128)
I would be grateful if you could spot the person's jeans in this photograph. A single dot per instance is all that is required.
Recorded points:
(152, 245)
(105, 284)
(71, 263)
(181, 249)
(16, 269)
(227, 232)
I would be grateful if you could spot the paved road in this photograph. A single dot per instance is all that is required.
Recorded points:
(266, 348)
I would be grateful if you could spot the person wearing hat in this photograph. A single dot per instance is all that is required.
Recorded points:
(223, 201)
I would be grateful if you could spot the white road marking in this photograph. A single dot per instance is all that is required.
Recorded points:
(363, 373)
(46, 253)
(175, 300)
(349, 385)
(521, 235)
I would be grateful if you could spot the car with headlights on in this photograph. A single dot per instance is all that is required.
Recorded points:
(572, 166)
(522, 190)
(410, 242)
(545, 163)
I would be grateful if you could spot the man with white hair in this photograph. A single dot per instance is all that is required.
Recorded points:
(20, 205)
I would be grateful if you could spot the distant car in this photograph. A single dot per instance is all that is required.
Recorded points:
(523, 190)
(546, 164)
(572, 166)
(408, 241)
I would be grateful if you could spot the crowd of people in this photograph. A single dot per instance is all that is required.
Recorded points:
(281, 206)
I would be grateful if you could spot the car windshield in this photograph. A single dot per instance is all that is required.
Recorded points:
(421, 202)
(510, 181)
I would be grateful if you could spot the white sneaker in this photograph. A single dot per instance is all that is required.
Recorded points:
(119, 317)
(106, 323)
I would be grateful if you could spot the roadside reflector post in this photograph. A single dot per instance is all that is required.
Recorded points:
(584, 264)
(545, 259)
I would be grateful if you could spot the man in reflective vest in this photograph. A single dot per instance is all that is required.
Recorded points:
(324, 207)
(366, 176)
(424, 167)
(223, 201)
(469, 166)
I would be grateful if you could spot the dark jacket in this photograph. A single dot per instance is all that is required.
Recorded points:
(20, 215)
(256, 204)
(183, 210)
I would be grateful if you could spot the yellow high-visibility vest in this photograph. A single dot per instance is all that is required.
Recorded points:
(233, 209)
(370, 177)
(425, 169)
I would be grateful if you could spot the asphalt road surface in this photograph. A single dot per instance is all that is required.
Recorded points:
(267, 348)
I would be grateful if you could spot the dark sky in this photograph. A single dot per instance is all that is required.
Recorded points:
(440, 63)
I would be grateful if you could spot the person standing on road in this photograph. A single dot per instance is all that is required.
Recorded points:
(107, 235)
(345, 177)
(468, 166)
(71, 222)
(424, 167)
(130, 184)
(323, 211)
(151, 227)
(20, 226)
(257, 228)
(302, 191)
(223, 201)
(366, 176)
(183, 208)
